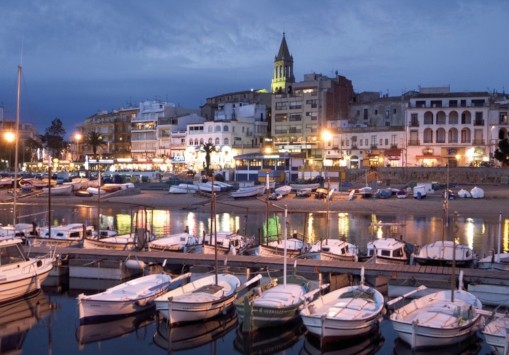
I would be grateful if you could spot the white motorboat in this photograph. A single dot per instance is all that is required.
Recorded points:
(199, 300)
(21, 275)
(63, 235)
(58, 190)
(389, 251)
(443, 253)
(130, 297)
(294, 248)
(179, 242)
(332, 249)
(250, 191)
(227, 243)
(348, 312)
(438, 319)
(495, 261)
(130, 241)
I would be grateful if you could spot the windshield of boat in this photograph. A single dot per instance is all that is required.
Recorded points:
(11, 254)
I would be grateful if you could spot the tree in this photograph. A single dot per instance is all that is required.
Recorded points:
(32, 145)
(208, 148)
(502, 152)
(54, 137)
(94, 140)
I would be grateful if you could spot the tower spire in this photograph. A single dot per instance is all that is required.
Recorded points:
(283, 69)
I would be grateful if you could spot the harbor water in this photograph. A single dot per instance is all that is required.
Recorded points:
(52, 325)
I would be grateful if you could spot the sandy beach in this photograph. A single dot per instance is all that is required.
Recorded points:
(494, 202)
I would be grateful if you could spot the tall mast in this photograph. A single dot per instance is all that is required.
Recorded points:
(16, 145)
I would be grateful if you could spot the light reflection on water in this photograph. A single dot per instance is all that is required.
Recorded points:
(478, 233)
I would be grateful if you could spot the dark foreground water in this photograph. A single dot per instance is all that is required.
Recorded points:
(48, 324)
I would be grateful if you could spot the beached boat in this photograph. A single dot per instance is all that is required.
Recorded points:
(366, 191)
(183, 189)
(438, 319)
(443, 253)
(283, 190)
(130, 297)
(303, 192)
(179, 242)
(58, 190)
(477, 192)
(21, 275)
(348, 312)
(95, 190)
(199, 300)
(311, 186)
(250, 191)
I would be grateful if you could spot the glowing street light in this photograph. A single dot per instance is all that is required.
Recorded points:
(78, 138)
(10, 137)
(326, 137)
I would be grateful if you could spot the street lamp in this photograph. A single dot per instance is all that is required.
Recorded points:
(10, 137)
(78, 137)
(326, 137)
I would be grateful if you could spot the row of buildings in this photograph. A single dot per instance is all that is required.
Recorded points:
(318, 123)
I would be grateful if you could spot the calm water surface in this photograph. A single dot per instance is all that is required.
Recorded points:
(53, 328)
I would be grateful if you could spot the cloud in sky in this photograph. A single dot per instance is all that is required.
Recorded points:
(80, 57)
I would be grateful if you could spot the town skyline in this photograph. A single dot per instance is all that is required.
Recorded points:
(79, 59)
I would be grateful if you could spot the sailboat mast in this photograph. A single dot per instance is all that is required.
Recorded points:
(16, 146)
(285, 233)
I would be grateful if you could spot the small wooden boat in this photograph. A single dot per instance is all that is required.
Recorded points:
(312, 186)
(283, 190)
(227, 243)
(294, 248)
(389, 251)
(348, 312)
(438, 319)
(496, 333)
(303, 192)
(131, 241)
(183, 189)
(130, 297)
(198, 300)
(63, 235)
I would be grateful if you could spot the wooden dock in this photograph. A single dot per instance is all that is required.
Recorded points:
(412, 275)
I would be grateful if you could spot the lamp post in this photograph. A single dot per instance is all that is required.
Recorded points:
(10, 137)
(78, 138)
(326, 137)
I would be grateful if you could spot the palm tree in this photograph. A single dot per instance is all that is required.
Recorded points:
(94, 140)
(208, 148)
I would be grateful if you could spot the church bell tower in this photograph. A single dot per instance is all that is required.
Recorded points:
(283, 78)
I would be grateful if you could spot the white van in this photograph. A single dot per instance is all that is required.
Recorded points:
(419, 191)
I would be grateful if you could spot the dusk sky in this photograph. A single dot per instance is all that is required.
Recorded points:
(80, 57)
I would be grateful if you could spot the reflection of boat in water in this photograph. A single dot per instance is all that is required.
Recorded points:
(368, 344)
(96, 331)
(470, 346)
(193, 335)
(269, 340)
(18, 317)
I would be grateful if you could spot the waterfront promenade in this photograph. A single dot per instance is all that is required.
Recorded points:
(496, 201)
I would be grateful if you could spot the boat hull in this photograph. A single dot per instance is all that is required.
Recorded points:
(24, 278)
(127, 298)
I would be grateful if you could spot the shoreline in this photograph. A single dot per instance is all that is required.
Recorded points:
(495, 202)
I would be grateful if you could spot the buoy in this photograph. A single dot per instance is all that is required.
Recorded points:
(134, 264)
